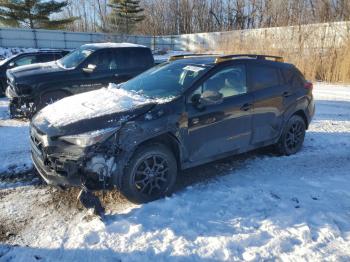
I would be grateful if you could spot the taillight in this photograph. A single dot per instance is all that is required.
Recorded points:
(309, 85)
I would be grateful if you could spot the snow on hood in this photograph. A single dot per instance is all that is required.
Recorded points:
(35, 69)
(91, 104)
(51, 64)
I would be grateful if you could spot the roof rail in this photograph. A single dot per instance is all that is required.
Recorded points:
(178, 57)
(259, 57)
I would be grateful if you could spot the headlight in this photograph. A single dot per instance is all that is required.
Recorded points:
(89, 138)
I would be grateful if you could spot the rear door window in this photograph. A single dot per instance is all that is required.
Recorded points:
(264, 77)
(134, 58)
(104, 61)
(42, 58)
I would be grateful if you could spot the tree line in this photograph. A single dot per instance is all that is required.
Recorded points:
(165, 17)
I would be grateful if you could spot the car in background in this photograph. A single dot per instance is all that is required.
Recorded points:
(184, 113)
(87, 68)
(26, 58)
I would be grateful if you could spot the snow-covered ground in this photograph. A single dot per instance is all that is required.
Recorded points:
(14, 143)
(252, 207)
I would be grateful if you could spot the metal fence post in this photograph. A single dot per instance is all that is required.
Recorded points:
(1, 44)
(65, 40)
(154, 43)
(35, 38)
(172, 44)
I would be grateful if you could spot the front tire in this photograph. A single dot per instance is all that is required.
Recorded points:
(293, 135)
(150, 174)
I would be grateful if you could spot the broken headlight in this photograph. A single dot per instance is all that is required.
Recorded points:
(89, 138)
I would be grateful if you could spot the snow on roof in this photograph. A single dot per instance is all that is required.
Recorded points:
(113, 45)
(91, 104)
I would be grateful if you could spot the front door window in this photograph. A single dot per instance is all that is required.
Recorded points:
(228, 82)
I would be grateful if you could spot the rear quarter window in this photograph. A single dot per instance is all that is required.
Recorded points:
(264, 77)
(294, 77)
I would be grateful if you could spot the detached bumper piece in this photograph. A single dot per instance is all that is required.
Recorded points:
(90, 201)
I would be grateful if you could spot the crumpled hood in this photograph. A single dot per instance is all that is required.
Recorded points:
(35, 69)
(102, 108)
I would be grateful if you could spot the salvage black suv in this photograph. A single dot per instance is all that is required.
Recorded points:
(183, 113)
(89, 67)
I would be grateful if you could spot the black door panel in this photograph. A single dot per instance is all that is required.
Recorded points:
(225, 127)
(219, 129)
(270, 98)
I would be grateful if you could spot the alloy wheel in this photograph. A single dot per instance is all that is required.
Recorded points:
(151, 176)
(295, 136)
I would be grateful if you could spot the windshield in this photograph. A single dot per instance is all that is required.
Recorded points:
(73, 59)
(166, 80)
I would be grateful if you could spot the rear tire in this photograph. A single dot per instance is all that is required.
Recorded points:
(150, 174)
(293, 135)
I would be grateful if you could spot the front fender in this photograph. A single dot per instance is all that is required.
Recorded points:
(135, 134)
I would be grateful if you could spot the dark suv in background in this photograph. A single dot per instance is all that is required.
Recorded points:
(27, 58)
(89, 67)
(180, 114)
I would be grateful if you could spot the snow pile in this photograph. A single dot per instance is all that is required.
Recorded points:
(92, 104)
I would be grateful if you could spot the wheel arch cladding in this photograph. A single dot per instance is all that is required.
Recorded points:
(168, 140)
(302, 114)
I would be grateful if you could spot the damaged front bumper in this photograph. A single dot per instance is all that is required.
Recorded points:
(19, 105)
(52, 177)
(70, 165)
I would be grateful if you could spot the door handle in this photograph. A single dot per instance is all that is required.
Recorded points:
(286, 94)
(246, 107)
(195, 121)
(210, 120)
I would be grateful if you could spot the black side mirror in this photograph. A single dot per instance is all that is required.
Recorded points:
(209, 98)
(89, 69)
(12, 64)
